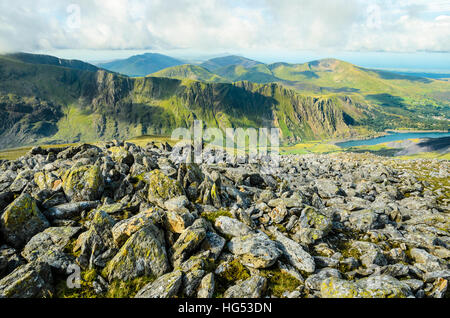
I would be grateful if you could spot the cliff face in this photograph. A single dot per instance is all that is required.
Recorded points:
(45, 103)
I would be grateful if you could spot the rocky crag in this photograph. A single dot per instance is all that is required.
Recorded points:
(139, 224)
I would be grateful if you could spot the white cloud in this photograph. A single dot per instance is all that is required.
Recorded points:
(372, 25)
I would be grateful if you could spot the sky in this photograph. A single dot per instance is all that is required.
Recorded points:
(401, 34)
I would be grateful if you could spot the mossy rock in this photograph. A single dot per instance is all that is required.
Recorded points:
(162, 188)
(121, 155)
(22, 220)
(83, 183)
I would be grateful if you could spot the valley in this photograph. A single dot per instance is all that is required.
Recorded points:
(46, 100)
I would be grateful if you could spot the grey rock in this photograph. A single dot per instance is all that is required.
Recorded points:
(97, 244)
(250, 288)
(295, 254)
(213, 243)
(188, 242)
(426, 261)
(314, 281)
(124, 229)
(372, 287)
(207, 286)
(363, 220)
(21, 221)
(233, 227)
(33, 280)
(166, 286)
(144, 254)
(255, 250)
(48, 247)
(70, 210)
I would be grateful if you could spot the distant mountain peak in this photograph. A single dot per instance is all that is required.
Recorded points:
(230, 60)
(142, 65)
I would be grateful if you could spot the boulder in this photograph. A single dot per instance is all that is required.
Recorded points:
(295, 254)
(166, 286)
(123, 230)
(48, 247)
(83, 183)
(21, 221)
(33, 280)
(207, 285)
(255, 250)
(383, 286)
(250, 288)
(121, 155)
(70, 210)
(162, 188)
(188, 242)
(97, 244)
(144, 254)
(232, 227)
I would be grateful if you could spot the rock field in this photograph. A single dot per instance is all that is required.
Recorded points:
(137, 223)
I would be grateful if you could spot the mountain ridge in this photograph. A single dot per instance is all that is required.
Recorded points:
(141, 65)
(53, 104)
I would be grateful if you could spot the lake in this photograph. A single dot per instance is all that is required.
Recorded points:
(392, 137)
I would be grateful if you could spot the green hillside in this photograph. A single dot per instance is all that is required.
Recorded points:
(51, 104)
(50, 60)
(393, 100)
(141, 65)
(220, 62)
(192, 72)
(45, 103)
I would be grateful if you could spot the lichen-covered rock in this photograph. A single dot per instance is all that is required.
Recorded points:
(278, 214)
(188, 242)
(47, 181)
(178, 221)
(21, 181)
(313, 218)
(314, 281)
(327, 188)
(295, 254)
(162, 188)
(193, 270)
(255, 250)
(213, 243)
(425, 261)
(48, 247)
(83, 183)
(123, 230)
(232, 227)
(121, 155)
(33, 280)
(363, 220)
(250, 288)
(21, 221)
(97, 244)
(206, 288)
(144, 254)
(166, 286)
(372, 287)
(9, 260)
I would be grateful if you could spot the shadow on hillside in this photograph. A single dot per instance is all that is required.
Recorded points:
(387, 100)
(395, 76)
(381, 152)
(435, 144)
(307, 74)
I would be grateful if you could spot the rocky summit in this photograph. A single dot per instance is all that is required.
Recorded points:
(119, 220)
